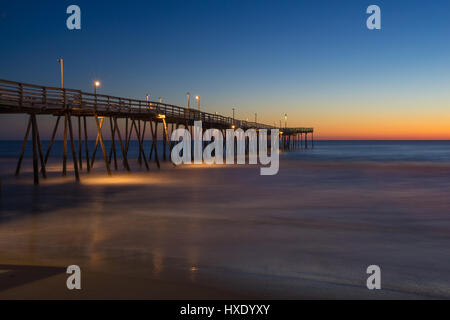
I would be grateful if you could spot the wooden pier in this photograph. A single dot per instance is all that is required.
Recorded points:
(142, 119)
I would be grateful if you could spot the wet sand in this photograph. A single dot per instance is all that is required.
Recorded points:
(213, 232)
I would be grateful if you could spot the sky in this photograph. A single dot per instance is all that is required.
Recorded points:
(316, 61)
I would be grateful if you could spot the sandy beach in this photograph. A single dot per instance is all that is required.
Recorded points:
(222, 232)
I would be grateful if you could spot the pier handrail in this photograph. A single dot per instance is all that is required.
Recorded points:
(16, 97)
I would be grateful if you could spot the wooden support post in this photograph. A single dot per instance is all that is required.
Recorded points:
(74, 152)
(128, 134)
(126, 131)
(164, 140)
(138, 134)
(52, 139)
(35, 156)
(143, 133)
(99, 130)
(27, 133)
(166, 135)
(86, 147)
(112, 151)
(124, 155)
(80, 156)
(312, 139)
(64, 172)
(41, 154)
(141, 149)
(153, 137)
(154, 142)
(96, 141)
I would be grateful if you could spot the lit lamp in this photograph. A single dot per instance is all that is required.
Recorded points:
(147, 96)
(198, 102)
(96, 84)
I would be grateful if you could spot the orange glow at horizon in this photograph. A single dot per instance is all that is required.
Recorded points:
(382, 120)
(384, 128)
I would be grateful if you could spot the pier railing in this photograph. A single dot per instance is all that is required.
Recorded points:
(16, 97)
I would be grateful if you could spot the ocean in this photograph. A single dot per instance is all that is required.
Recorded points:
(224, 232)
(324, 150)
(376, 150)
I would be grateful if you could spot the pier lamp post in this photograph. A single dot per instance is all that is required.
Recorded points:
(198, 102)
(96, 85)
(61, 62)
(285, 120)
(256, 118)
(188, 98)
(233, 115)
(149, 102)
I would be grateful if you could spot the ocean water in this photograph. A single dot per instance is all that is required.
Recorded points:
(355, 150)
(308, 232)
(397, 151)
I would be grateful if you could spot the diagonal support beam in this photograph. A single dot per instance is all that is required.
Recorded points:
(100, 138)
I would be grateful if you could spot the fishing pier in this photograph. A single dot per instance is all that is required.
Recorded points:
(72, 109)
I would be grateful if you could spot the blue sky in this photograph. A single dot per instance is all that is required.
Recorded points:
(314, 60)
